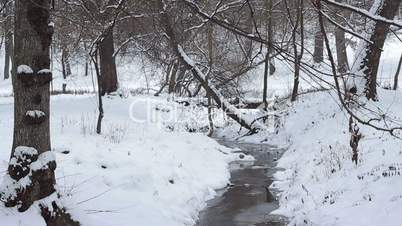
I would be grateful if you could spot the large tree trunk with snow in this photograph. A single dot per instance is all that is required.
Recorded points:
(108, 73)
(31, 158)
(368, 54)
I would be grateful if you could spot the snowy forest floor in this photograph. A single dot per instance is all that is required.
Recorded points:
(153, 164)
(135, 173)
(147, 169)
(320, 184)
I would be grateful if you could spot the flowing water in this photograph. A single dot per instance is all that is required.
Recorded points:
(248, 200)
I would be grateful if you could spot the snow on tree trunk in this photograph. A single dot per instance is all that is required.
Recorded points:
(31, 169)
(365, 68)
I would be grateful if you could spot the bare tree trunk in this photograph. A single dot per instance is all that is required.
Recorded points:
(265, 85)
(210, 63)
(267, 69)
(396, 77)
(108, 73)
(8, 42)
(298, 56)
(101, 113)
(8, 48)
(318, 55)
(166, 81)
(31, 140)
(172, 80)
(342, 57)
(86, 59)
(178, 85)
(368, 54)
(249, 43)
(66, 69)
(65, 65)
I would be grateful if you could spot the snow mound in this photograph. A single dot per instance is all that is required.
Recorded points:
(321, 185)
(134, 174)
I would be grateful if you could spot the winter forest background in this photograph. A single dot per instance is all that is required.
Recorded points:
(134, 99)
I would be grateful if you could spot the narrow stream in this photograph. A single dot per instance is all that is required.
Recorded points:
(248, 201)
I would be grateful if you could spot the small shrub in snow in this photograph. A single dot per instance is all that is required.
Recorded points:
(87, 125)
(116, 132)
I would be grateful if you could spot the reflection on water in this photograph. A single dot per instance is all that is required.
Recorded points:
(248, 200)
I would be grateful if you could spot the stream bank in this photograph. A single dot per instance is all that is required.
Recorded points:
(247, 201)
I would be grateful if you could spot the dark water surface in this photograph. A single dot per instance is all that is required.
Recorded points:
(248, 201)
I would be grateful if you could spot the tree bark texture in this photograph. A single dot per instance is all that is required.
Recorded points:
(340, 42)
(108, 73)
(318, 55)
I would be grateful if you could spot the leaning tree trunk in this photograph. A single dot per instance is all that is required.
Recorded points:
(108, 73)
(31, 157)
(230, 110)
(368, 54)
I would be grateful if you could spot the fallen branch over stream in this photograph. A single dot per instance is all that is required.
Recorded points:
(229, 109)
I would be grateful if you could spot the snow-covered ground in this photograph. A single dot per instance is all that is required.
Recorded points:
(321, 185)
(147, 169)
(136, 173)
